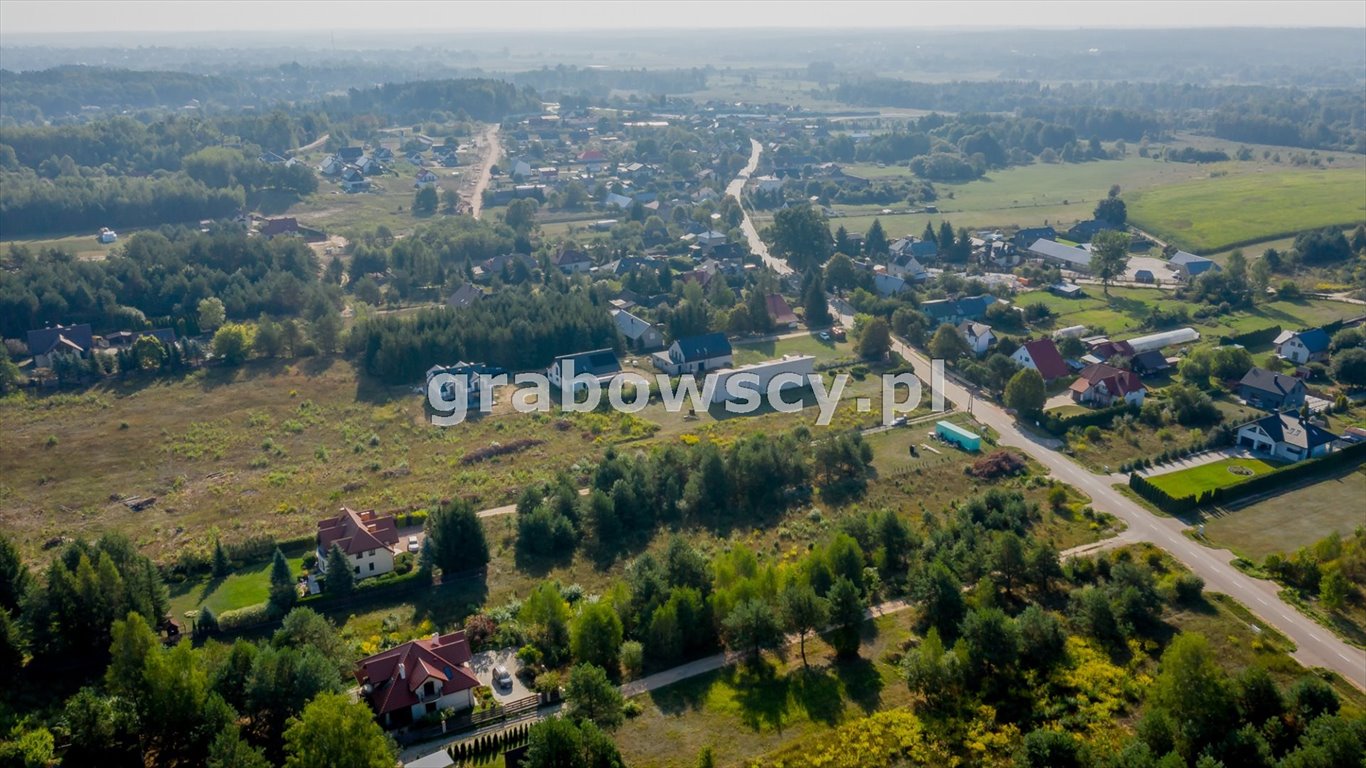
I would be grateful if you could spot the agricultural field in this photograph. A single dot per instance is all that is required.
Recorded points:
(1211, 214)
(1287, 521)
(1207, 477)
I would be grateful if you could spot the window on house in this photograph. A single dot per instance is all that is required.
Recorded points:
(357, 570)
(372, 566)
(359, 555)
(431, 707)
(429, 688)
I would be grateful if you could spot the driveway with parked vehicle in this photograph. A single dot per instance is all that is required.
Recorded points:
(498, 670)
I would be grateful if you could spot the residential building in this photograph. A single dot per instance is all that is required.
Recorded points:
(1042, 355)
(955, 311)
(779, 312)
(1269, 391)
(1102, 385)
(284, 226)
(1188, 266)
(418, 678)
(1303, 347)
(1152, 361)
(366, 538)
(978, 336)
(1085, 231)
(571, 260)
(45, 344)
(470, 380)
(695, 354)
(1028, 236)
(906, 267)
(464, 296)
(107, 236)
(640, 335)
(581, 369)
(1064, 256)
(1285, 436)
(423, 179)
(749, 381)
(888, 285)
(922, 250)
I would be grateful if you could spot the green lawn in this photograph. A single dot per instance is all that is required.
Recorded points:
(244, 587)
(1212, 213)
(1207, 477)
(757, 352)
(1288, 521)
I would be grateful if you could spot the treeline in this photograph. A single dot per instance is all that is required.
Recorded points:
(67, 90)
(480, 99)
(515, 329)
(30, 205)
(1321, 119)
(581, 82)
(161, 275)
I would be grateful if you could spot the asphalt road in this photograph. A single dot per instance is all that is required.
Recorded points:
(756, 243)
(1315, 646)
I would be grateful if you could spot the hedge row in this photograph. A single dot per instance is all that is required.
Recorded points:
(1102, 417)
(1252, 338)
(1252, 486)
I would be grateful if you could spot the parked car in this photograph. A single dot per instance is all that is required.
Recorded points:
(899, 421)
(502, 677)
(823, 335)
(413, 546)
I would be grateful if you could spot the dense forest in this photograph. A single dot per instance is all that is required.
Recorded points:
(517, 329)
(160, 276)
(1327, 119)
(69, 90)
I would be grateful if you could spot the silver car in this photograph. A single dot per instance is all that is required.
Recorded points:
(502, 677)
(413, 546)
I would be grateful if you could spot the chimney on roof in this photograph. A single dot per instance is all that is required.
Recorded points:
(402, 671)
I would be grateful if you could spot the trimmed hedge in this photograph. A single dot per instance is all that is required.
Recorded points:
(1252, 338)
(1103, 417)
(1252, 486)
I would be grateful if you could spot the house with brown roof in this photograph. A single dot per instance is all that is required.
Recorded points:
(571, 260)
(47, 344)
(780, 312)
(1042, 355)
(366, 538)
(418, 678)
(1103, 385)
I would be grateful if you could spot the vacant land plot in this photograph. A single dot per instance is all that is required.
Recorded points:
(83, 246)
(1207, 477)
(1211, 214)
(1288, 521)
(809, 344)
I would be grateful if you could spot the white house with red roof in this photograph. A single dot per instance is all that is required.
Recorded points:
(366, 538)
(1042, 355)
(1103, 385)
(418, 678)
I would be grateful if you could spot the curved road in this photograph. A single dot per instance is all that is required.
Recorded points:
(756, 243)
(492, 149)
(1315, 646)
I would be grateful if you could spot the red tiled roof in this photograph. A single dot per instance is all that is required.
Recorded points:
(1046, 358)
(1118, 382)
(441, 658)
(357, 532)
(778, 310)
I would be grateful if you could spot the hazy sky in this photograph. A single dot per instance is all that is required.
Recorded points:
(58, 16)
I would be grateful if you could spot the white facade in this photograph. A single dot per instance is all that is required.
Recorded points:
(371, 562)
(733, 383)
(1254, 437)
(458, 701)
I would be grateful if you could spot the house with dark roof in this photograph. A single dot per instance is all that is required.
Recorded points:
(1042, 355)
(1189, 266)
(1102, 385)
(366, 538)
(272, 228)
(922, 250)
(571, 260)
(352, 180)
(1303, 347)
(464, 296)
(350, 154)
(1285, 436)
(906, 267)
(1025, 237)
(955, 311)
(1152, 361)
(579, 371)
(1269, 391)
(1085, 231)
(1105, 350)
(695, 354)
(46, 343)
(418, 678)
(640, 335)
(123, 339)
(779, 312)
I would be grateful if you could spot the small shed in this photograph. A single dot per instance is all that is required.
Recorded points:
(952, 433)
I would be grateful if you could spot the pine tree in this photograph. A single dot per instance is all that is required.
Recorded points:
(340, 580)
(221, 566)
(283, 593)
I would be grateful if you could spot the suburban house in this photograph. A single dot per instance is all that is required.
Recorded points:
(779, 312)
(955, 311)
(418, 678)
(424, 178)
(922, 250)
(1085, 231)
(571, 260)
(107, 236)
(469, 375)
(695, 354)
(124, 339)
(284, 226)
(1105, 350)
(733, 383)
(352, 180)
(1042, 355)
(1271, 391)
(1152, 361)
(1302, 347)
(1102, 385)
(350, 154)
(600, 365)
(977, 335)
(905, 266)
(1286, 436)
(1029, 235)
(331, 166)
(888, 285)
(641, 336)
(366, 538)
(1189, 266)
(464, 296)
(47, 343)
(1065, 256)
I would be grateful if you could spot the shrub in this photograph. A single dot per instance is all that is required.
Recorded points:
(632, 659)
(244, 617)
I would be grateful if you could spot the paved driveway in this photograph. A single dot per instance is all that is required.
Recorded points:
(483, 664)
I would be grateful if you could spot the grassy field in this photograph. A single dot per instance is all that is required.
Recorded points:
(244, 587)
(1210, 214)
(82, 246)
(1288, 521)
(757, 352)
(1207, 477)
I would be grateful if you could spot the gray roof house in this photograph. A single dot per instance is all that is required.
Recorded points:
(641, 336)
(695, 354)
(1286, 436)
(1064, 256)
(1190, 266)
(46, 343)
(1271, 391)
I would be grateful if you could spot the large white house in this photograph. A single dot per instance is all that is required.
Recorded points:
(1302, 347)
(418, 678)
(366, 538)
(977, 335)
(1286, 436)
(695, 354)
(735, 383)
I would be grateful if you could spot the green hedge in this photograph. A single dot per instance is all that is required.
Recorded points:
(1252, 338)
(1289, 474)
(1103, 417)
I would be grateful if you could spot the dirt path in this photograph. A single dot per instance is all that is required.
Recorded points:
(491, 150)
(309, 147)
